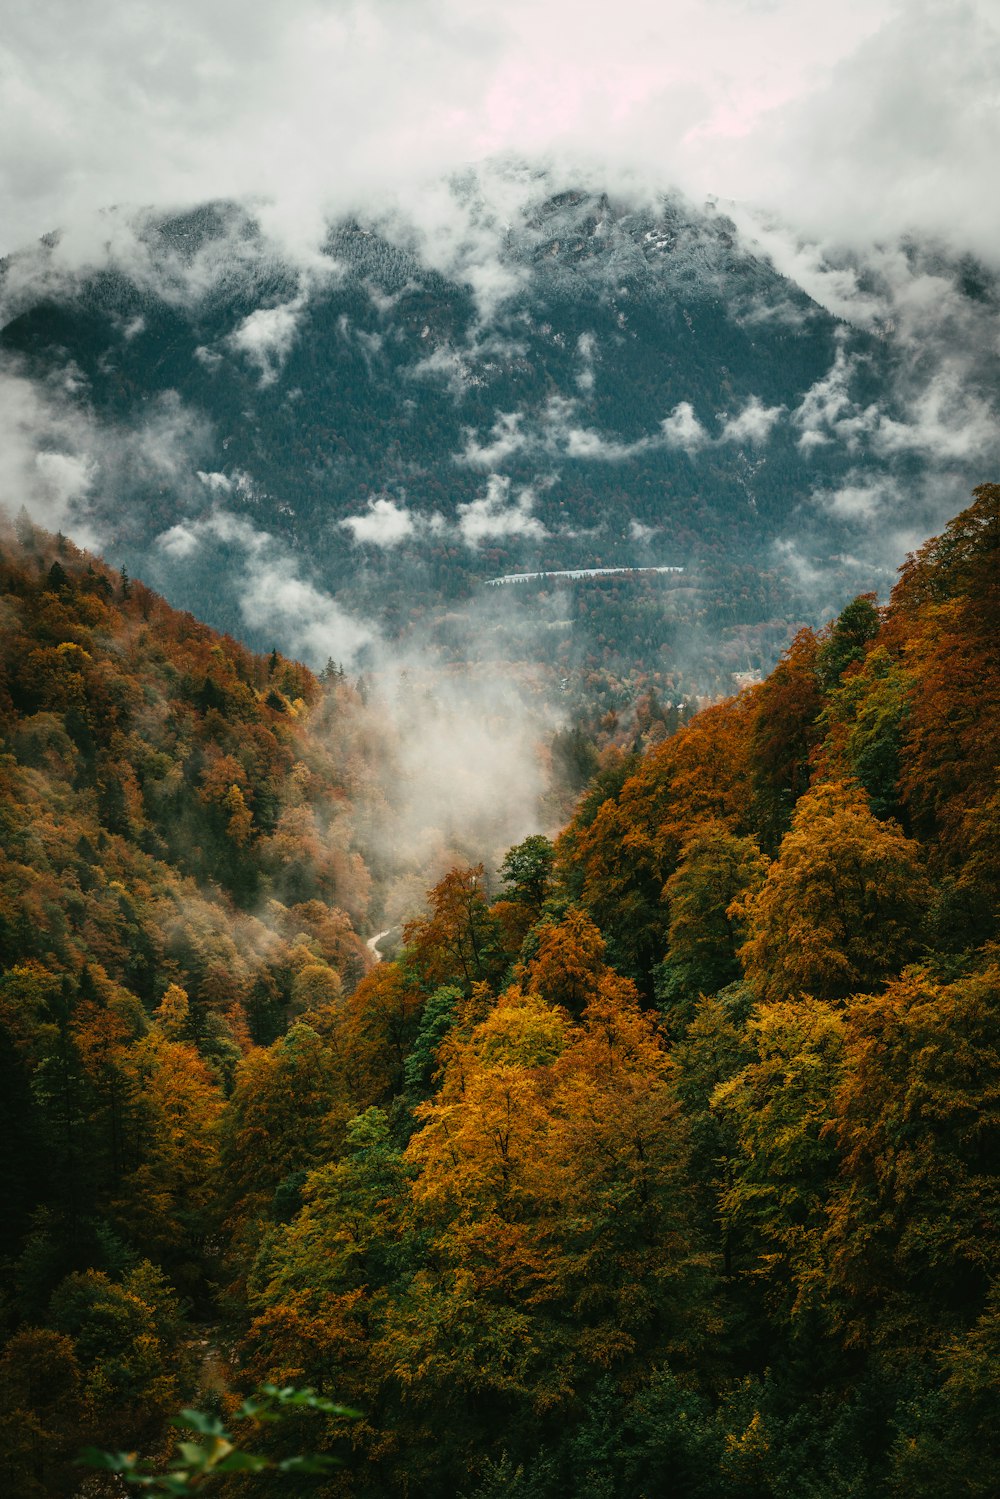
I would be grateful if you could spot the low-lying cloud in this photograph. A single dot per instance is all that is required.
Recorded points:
(559, 433)
(265, 337)
(454, 748)
(63, 464)
(272, 595)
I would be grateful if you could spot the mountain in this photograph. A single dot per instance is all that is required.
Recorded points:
(399, 419)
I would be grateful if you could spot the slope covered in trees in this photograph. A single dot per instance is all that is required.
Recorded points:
(571, 380)
(673, 1169)
(176, 881)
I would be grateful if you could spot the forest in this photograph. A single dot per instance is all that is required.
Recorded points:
(661, 1159)
(397, 388)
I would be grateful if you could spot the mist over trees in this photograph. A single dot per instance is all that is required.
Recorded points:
(658, 1156)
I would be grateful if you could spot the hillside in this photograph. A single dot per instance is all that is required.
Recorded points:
(595, 383)
(671, 1160)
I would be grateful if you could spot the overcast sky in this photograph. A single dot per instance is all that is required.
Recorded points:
(853, 121)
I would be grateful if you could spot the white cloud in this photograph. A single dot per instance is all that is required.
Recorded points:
(558, 434)
(586, 348)
(583, 442)
(45, 464)
(946, 422)
(383, 524)
(804, 572)
(210, 358)
(266, 336)
(860, 121)
(506, 438)
(180, 541)
(447, 364)
(216, 483)
(64, 478)
(271, 593)
(682, 429)
(827, 411)
(493, 516)
(276, 598)
(863, 498)
(63, 465)
(753, 424)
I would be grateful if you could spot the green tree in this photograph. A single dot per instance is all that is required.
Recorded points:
(777, 1111)
(716, 868)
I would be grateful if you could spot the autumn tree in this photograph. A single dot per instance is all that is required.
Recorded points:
(911, 1248)
(569, 959)
(379, 1026)
(167, 1202)
(321, 1287)
(843, 905)
(458, 942)
(785, 709)
(614, 858)
(269, 1147)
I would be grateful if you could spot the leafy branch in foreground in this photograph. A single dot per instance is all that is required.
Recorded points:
(216, 1453)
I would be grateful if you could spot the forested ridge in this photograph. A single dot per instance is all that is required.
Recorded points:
(667, 1165)
(643, 386)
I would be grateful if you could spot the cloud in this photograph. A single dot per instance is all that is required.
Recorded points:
(862, 499)
(946, 422)
(583, 442)
(682, 429)
(557, 433)
(271, 594)
(266, 336)
(450, 741)
(827, 411)
(383, 524)
(896, 139)
(864, 121)
(753, 424)
(494, 516)
(44, 462)
(179, 542)
(506, 438)
(216, 483)
(804, 572)
(446, 364)
(65, 466)
(946, 419)
(586, 348)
